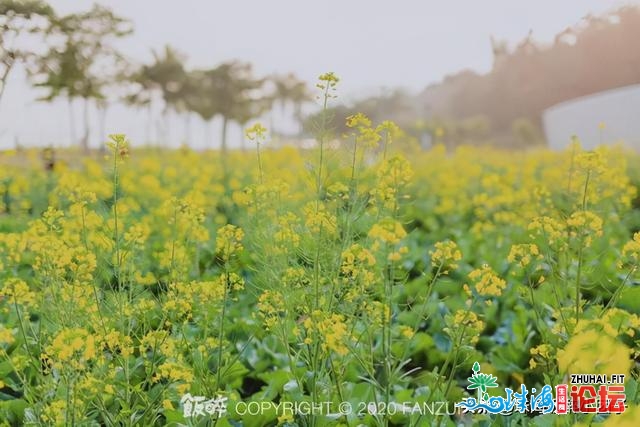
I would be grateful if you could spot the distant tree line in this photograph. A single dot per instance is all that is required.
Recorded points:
(504, 107)
(600, 54)
(73, 57)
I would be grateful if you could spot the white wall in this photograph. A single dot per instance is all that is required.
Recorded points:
(618, 109)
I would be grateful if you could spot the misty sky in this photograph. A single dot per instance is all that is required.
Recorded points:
(370, 44)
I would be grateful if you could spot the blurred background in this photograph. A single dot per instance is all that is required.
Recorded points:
(166, 73)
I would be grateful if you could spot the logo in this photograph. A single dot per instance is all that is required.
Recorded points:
(193, 406)
(588, 394)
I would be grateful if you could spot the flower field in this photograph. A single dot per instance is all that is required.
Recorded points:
(361, 272)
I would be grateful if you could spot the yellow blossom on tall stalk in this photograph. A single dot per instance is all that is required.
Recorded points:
(6, 336)
(524, 254)
(328, 81)
(394, 175)
(177, 373)
(550, 229)
(16, 292)
(331, 329)
(271, 308)
(609, 357)
(445, 255)
(390, 132)
(229, 241)
(539, 354)
(584, 225)
(386, 232)
(464, 326)
(257, 134)
(486, 282)
(72, 349)
(318, 219)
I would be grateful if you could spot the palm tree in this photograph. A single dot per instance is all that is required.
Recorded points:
(164, 78)
(289, 89)
(85, 62)
(142, 92)
(247, 109)
(17, 18)
(224, 91)
(168, 75)
(199, 96)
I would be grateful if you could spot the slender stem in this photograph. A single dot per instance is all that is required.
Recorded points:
(172, 275)
(618, 291)
(321, 141)
(386, 142)
(580, 250)
(115, 215)
(221, 330)
(387, 338)
(353, 162)
(259, 160)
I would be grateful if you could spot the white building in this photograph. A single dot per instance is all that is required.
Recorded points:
(605, 117)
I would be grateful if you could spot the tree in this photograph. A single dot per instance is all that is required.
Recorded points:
(200, 97)
(249, 108)
(225, 91)
(289, 89)
(18, 19)
(165, 77)
(84, 62)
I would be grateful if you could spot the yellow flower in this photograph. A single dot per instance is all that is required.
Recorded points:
(549, 228)
(256, 133)
(271, 307)
(631, 251)
(285, 418)
(16, 291)
(390, 130)
(387, 231)
(71, 348)
(119, 145)
(445, 255)
(6, 336)
(470, 320)
(487, 282)
(332, 330)
(585, 225)
(407, 331)
(523, 254)
(229, 241)
(358, 120)
(629, 418)
(594, 352)
(329, 78)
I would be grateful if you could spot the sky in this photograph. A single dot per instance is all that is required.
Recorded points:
(371, 45)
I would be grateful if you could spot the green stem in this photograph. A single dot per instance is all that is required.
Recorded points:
(259, 160)
(580, 250)
(221, 330)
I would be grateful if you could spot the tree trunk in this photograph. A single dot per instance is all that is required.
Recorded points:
(298, 116)
(167, 129)
(102, 114)
(243, 139)
(208, 138)
(85, 139)
(147, 131)
(72, 124)
(272, 122)
(8, 63)
(187, 128)
(223, 142)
